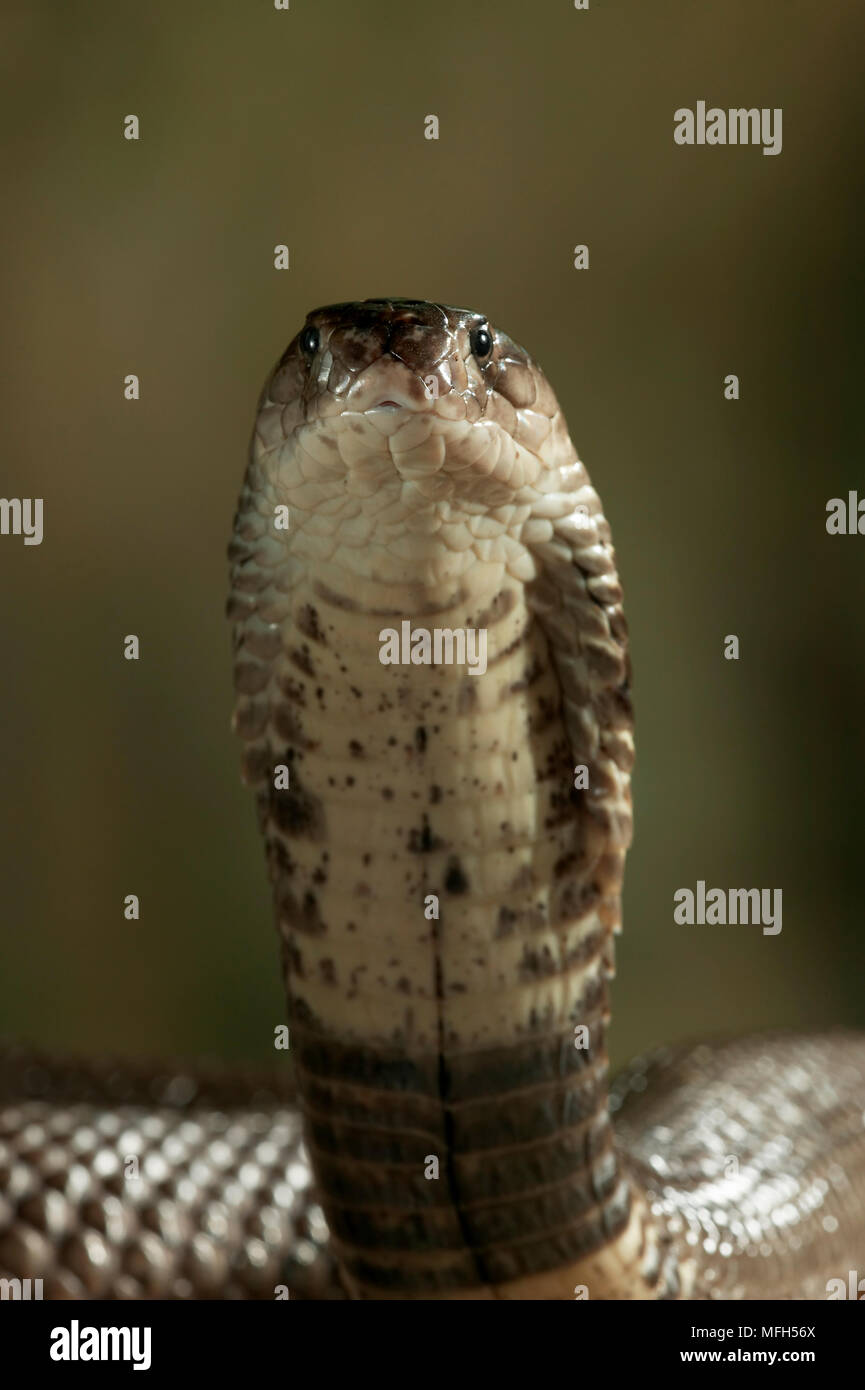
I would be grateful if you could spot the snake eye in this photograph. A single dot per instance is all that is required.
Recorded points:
(309, 341)
(481, 342)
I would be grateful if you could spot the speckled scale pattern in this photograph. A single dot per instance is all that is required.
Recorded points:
(430, 483)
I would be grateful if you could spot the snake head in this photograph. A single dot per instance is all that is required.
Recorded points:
(408, 354)
(418, 406)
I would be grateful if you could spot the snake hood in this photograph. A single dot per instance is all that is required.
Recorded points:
(445, 893)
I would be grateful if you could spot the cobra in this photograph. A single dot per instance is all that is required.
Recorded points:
(446, 851)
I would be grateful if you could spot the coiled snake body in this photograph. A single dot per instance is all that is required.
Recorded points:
(445, 841)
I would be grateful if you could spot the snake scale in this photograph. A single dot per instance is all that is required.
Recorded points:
(445, 840)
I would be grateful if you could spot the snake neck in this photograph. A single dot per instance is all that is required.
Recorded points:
(446, 838)
(448, 987)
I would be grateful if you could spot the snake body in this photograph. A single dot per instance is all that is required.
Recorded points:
(445, 844)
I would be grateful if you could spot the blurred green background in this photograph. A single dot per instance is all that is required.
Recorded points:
(155, 257)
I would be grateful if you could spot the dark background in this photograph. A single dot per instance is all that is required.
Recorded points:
(155, 257)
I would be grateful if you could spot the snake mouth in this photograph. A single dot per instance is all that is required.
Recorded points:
(389, 405)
